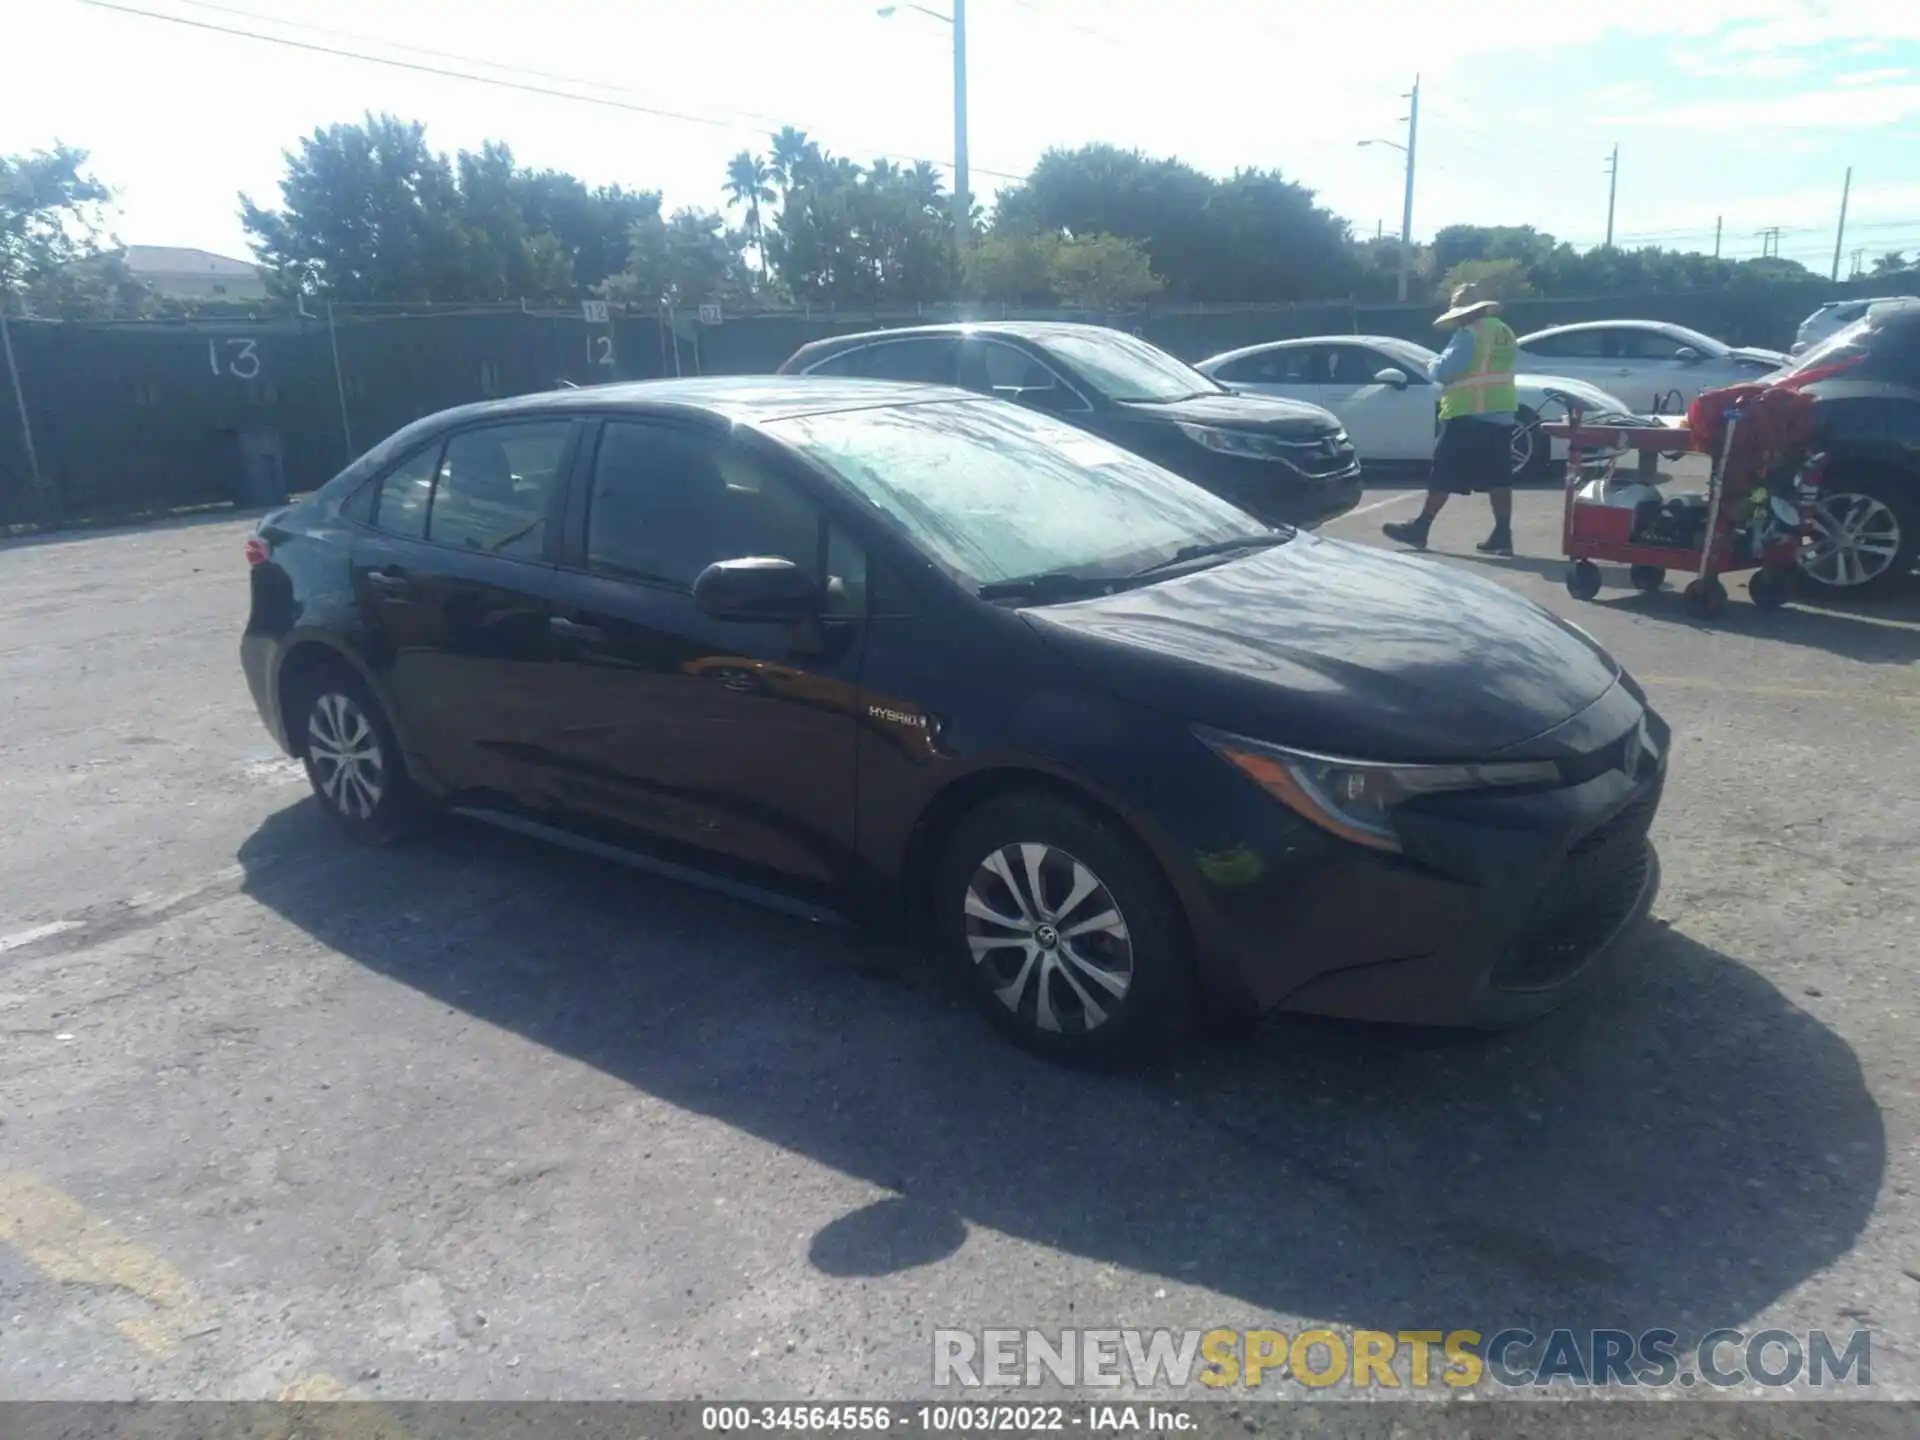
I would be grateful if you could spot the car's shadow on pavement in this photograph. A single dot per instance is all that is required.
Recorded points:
(1872, 632)
(1679, 1150)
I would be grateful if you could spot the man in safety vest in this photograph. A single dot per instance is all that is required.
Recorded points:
(1478, 407)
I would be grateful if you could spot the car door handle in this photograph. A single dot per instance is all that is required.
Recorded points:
(574, 630)
(396, 587)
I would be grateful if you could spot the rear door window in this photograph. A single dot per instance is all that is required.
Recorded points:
(400, 503)
(495, 488)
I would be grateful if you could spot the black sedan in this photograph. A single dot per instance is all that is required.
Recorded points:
(1284, 461)
(899, 650)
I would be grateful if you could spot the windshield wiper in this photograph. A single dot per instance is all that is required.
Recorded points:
(1216, 547)
(1051, 585)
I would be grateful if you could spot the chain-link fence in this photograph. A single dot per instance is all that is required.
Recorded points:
(123, 419)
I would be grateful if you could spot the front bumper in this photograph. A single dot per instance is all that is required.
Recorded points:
(1500, 909)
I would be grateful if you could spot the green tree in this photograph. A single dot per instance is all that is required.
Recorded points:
(1891, 263)
(1012, 266)
(1497, 279)
(367, 213)
(52, 228)
(1103, 272)
(747, 185)
(1254, 236)
(689, 258)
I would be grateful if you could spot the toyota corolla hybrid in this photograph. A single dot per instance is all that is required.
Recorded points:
(1131, 754)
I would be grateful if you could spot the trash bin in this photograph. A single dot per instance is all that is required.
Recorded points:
(262, 479)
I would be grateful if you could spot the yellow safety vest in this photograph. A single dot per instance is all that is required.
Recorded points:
(1488, 387)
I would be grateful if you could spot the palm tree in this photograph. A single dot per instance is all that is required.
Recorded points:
(792, 152)
(1890, 263)
(747, 177)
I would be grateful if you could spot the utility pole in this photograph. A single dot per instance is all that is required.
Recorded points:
(1840, 234)
(1718, 221)
(962, 194)
(1613, 187)
(1769, 241)
(1406, 212)
(1859, 264)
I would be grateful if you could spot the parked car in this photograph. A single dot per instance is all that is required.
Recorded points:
(1378, 387)
(1131, 753)
(1833, 316)
(1653, 366)
(1278, 459)
(1865, 381)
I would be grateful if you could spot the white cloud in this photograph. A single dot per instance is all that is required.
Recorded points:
(1874, 77)
(1809, 110)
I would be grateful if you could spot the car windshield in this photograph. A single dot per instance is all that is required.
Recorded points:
(1407, 352)
(996, 493)
(1123, 368)
(1848, 345)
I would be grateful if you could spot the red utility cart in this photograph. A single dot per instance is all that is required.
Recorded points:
(1740, 480)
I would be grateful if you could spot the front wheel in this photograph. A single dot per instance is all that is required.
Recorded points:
(352, 759)
(1529, 451)
(1647, 578)
(1770, 589)
(1705, 598)
(1583, 580)
(1864, 537)
(1072, 940)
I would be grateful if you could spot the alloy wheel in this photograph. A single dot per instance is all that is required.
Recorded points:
(1855, 538)
(1520, 447)
(344, 750)
(1050, 938)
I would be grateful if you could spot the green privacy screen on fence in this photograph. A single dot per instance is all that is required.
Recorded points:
(142, 417)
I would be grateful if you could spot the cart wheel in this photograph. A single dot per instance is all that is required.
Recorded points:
(1583, 579)
(1770, 589)
(1706, 597)
(1647, 578)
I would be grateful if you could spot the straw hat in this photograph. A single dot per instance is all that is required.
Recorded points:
(1467, 305)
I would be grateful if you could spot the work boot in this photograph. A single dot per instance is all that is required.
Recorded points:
(1411, 533)
(1500, 542)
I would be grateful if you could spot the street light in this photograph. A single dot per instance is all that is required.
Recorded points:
(962, 206)
(1406, 214)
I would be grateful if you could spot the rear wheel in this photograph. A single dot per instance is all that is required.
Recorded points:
(1864, 536)
(351, 756)
(1647, 578)
(1072, 940)
(1583, 580)
(1705, 598)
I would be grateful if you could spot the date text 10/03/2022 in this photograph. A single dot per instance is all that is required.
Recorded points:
(944, 1419)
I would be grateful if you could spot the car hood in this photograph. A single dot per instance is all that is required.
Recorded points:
(1339, 649)
(1591, 396)
(1240, 412)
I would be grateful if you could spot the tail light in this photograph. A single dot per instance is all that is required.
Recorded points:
(258, 551)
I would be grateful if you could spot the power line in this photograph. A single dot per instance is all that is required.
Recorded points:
(743, 122)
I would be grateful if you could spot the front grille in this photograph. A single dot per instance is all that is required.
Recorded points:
(1320, 458)
(1583, 904)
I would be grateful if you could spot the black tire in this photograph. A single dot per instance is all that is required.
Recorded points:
(1024, 984)
(1705, 599)
(1583, 580)
(1854, 497)
(1770, 589)
(1539, 457)
(1647, 578)
(369, 795)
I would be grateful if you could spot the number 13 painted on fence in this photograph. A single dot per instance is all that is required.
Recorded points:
(243, 361)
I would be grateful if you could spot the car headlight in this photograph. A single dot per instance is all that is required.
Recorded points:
(1355, 799)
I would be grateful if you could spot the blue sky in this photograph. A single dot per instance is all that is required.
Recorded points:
(1750, 110)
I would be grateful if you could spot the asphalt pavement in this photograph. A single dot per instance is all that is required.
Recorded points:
(475, 1118)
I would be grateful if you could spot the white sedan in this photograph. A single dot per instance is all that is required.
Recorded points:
(1656, 367)
(1378, 386)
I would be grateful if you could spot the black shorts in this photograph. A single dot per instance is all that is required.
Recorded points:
(1472, 456)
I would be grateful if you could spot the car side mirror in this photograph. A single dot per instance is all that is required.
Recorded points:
(758, 587)
(1687, 355)
(1390, 376)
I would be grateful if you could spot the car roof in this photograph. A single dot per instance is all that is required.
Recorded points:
(1605, 325)
(1294, 342)
(752, 399)
(1034, 330)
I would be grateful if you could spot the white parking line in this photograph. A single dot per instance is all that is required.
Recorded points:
(38, 932)
(1382, 504)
